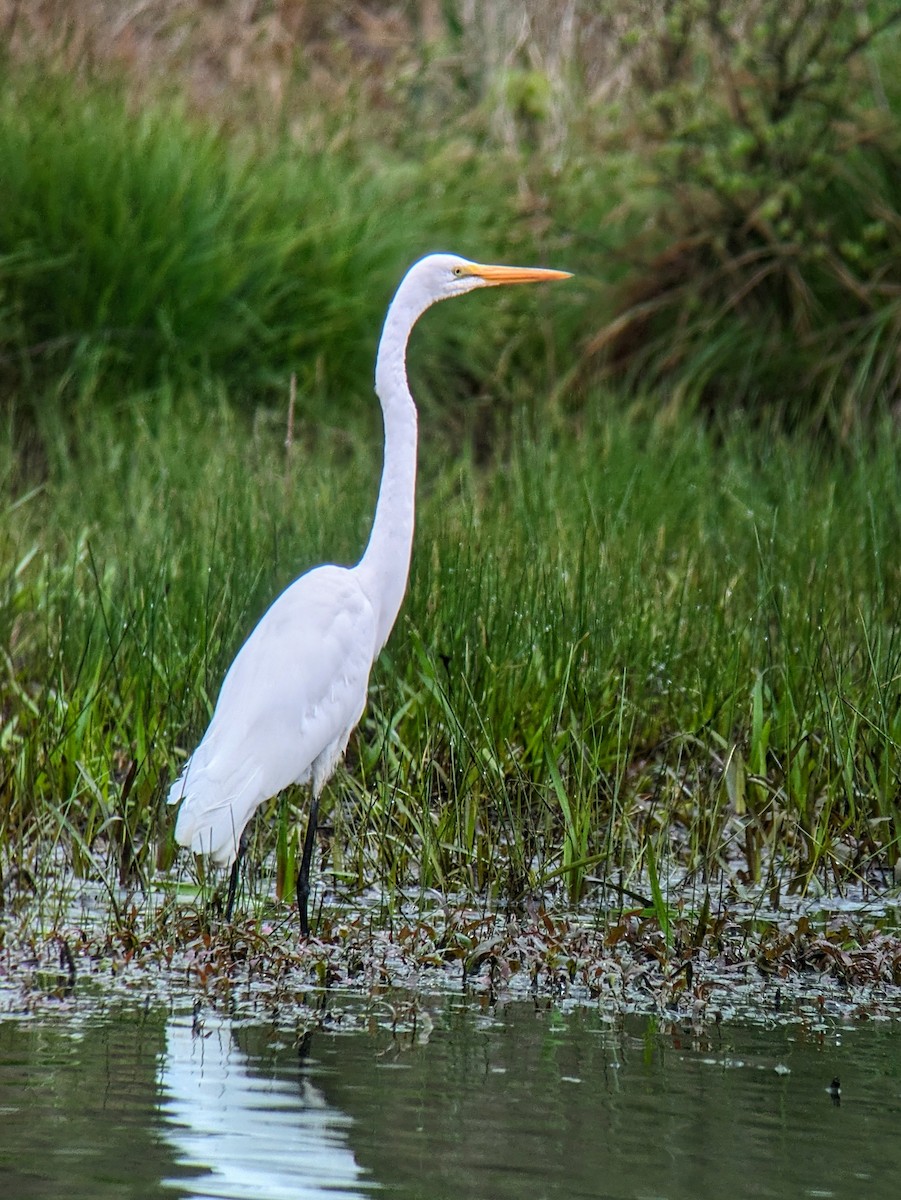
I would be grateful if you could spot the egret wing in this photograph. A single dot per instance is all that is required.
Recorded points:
(287, 707)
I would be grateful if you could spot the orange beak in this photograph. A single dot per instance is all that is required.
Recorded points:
(495, 276)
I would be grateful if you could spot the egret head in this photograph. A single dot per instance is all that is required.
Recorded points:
(436, 277)
(439, 276)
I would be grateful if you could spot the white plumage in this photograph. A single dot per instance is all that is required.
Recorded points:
(297, 687)
(285, 712)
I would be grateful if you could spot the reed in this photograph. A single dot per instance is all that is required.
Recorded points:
(623, 645)
(651, 644)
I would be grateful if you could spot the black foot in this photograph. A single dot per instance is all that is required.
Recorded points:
(233, 879)
(303, 875)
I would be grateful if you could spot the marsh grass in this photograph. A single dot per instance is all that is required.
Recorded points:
(633, 658)
(643, 657)
(140, 250)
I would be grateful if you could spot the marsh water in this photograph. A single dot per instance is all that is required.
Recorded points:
(460, 1100)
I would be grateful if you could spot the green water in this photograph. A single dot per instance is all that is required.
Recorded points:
(514, 1102)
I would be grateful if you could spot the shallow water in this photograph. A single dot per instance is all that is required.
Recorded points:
(471, 1102)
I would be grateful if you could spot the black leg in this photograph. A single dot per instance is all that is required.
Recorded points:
(233, 879)
(303, 875)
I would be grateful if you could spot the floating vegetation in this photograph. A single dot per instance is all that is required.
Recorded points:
(818, 966)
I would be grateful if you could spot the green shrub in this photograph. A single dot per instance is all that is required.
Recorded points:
(766, 269)
(142, 249)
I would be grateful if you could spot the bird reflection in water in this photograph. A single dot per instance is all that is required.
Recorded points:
(241, 1132)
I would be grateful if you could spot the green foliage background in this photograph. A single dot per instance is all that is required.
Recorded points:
(653, 614)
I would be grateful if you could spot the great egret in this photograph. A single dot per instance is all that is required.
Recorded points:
(297, 687)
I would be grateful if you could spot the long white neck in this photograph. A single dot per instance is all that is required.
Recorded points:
(385, 565)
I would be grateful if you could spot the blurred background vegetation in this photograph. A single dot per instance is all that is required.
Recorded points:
(233, 188)
(201, 198)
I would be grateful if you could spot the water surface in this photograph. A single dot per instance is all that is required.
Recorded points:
(521, 1101)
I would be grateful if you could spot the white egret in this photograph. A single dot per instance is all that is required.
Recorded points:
(297, 687)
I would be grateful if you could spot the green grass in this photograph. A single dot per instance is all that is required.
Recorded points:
(722, 177)
(144, 250)
(626, 643)
(639, 649)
